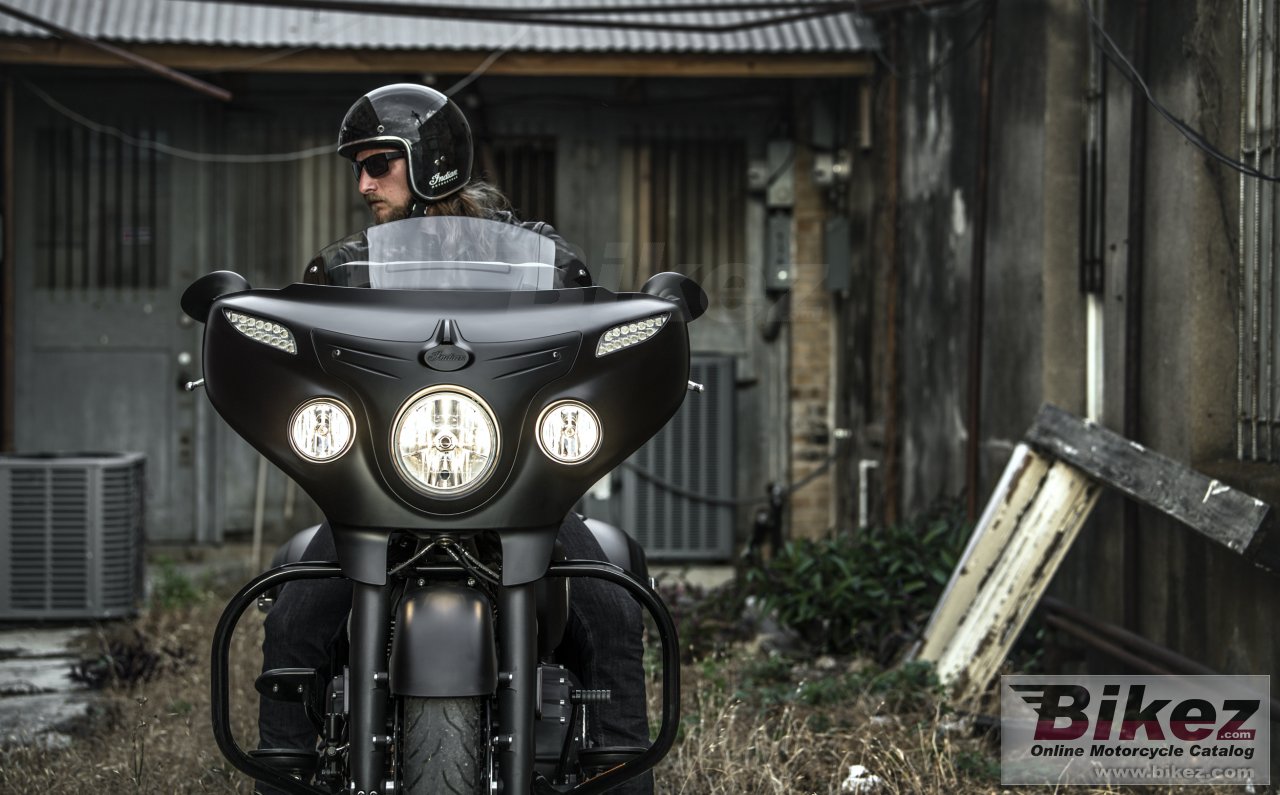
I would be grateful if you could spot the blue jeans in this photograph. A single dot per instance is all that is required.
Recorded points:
(602, 645)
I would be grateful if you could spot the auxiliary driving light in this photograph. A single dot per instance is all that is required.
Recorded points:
(628, 334)
(268, 332)
(445, 441)
(569, 432)
(321, 430)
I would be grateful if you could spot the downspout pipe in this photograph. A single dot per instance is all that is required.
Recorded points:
(977, 278)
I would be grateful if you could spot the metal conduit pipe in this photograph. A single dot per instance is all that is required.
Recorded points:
(1142, 654)
(1165, 656)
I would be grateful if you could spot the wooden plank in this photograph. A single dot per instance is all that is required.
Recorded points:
(1019, 482)
(1017, 547)
(1208, 506)
(779, 65)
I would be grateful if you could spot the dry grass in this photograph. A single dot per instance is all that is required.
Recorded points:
(152, 736)
(752, 724)
(745, 732)
(756, 725)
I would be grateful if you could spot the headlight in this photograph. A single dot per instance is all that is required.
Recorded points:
(445, 441)
(569, 432)
(321, 430)
(268, 332)
(628, 334)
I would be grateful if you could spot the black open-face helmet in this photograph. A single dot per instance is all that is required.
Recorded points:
(422, 122)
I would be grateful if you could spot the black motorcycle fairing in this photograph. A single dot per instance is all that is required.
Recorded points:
(444, 643)
(524, 350)
(526, 555)
(362, 553)
(619, 548)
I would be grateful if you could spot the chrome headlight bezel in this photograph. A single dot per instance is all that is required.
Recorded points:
(591, 414)
(412, 404)
(343, 410)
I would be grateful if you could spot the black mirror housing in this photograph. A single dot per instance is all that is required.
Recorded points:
(199, 297)
(680, 290)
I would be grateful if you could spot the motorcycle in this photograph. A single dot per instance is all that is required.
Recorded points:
(445, 419)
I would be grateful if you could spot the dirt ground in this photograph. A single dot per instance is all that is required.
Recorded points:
(753, 722)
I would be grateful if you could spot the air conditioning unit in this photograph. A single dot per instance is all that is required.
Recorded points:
(678, 490)
(71, 535)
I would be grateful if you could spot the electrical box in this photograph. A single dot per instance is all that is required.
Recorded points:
(780, 187)
(838, 252)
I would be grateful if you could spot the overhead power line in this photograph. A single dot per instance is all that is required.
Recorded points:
(1112, 52)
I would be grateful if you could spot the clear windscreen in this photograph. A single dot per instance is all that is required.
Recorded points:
(440, 253)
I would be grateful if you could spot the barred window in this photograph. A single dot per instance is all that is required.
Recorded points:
(524, 169)
(683, 206)
(96, 213)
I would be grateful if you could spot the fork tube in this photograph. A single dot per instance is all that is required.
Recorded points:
(517, 655)
(368, 659)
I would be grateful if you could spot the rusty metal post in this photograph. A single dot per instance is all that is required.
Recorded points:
(1133, 312)
(977, 273)
(7, 285)
(892, 462)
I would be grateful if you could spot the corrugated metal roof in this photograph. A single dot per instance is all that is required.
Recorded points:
(228, 24)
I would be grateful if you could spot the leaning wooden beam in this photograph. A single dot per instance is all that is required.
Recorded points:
(1017, 545)
(1208, 506)
(1046, 492)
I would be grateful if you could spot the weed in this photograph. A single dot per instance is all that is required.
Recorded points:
(866, 592)
(171, 588)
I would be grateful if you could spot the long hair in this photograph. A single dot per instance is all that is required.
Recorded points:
(477, 199)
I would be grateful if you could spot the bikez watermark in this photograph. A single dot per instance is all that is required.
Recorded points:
(1157, 730)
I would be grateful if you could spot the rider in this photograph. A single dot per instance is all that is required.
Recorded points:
(410, 147)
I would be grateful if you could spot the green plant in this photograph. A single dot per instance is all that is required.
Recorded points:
(171, 588)
(867, 591)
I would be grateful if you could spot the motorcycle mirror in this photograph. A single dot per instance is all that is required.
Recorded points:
(678, 289)
(199, 297)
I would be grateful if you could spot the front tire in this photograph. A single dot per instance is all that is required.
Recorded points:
(444, 746)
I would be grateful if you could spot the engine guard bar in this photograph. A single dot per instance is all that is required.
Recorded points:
(220, 682)
(220, 691)
(649, 599)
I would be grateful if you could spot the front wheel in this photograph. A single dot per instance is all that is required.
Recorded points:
(444, 742)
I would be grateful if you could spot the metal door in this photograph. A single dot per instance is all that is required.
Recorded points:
(108, 233)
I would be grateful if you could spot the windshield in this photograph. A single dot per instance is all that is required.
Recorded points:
(440, 253)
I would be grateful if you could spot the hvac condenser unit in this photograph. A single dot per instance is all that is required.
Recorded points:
(71, 534)
(678, 490)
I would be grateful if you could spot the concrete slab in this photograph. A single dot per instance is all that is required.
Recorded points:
(37, 641)
(38, 698)
(38, 720)
(24, 676)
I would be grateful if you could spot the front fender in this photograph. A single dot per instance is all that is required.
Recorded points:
(444, 644)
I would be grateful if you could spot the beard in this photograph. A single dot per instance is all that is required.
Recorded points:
(384, 211)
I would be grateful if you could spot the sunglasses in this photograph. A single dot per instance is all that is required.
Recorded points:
(375, 165)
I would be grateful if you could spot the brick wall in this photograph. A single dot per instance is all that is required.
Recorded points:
(812, 362)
